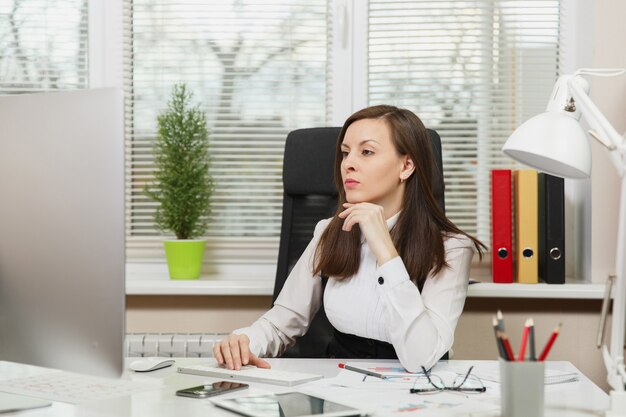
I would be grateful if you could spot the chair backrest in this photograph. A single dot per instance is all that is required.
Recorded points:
(310, 196)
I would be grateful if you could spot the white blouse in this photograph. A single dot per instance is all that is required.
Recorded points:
(379, 302)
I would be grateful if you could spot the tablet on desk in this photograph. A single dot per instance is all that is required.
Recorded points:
(289, 404)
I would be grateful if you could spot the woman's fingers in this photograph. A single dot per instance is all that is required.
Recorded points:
(244, 347)
(217, 354)
(228, 357)
(233, 352)
(371, 220)
(361, 213)
(258, 362)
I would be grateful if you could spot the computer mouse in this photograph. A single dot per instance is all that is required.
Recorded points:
(150, 364)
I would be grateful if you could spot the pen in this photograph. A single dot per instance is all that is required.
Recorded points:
(361, 371)
(546, 349)
(531, 335)
(522, 349)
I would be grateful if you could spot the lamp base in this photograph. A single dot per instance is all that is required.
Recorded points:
(617, 404)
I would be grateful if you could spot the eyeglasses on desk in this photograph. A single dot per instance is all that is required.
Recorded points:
(432, 384)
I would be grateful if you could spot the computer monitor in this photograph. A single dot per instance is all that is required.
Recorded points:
(62, 285)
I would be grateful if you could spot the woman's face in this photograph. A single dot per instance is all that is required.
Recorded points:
(371, 168)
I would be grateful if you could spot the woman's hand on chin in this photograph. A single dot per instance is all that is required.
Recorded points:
(371, 220)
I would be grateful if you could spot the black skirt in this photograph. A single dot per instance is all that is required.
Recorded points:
(349, 346)
(343, 345)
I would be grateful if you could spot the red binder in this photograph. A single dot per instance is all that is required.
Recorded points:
(501, 227)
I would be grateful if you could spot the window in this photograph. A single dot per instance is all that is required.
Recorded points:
(259, 71)
(472, 70)
(44, 45)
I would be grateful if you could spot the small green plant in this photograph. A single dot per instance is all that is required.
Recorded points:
(183, 185)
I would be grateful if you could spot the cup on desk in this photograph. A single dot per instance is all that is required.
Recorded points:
(522, 388)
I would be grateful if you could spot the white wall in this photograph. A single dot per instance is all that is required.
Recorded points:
(610, 95)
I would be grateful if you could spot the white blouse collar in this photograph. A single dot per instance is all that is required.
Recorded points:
(393, 220)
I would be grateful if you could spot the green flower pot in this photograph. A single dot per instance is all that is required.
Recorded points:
(184, 258)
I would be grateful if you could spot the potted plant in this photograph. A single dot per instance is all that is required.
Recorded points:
(182, 183)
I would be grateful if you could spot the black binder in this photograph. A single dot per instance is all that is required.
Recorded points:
(551, 229)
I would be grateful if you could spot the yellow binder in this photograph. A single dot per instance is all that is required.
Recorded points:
(526, 224)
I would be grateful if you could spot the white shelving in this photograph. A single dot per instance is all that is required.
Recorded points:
(573, 291)
(157, 283)
(203, 286)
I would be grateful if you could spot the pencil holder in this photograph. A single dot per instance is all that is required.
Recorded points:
(522, 388)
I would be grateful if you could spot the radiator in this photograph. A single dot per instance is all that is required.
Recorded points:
(179, 345)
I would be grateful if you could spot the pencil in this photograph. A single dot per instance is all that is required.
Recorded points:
(361, 371)
(531, 341)
(546, 349)
(510, 356)
(500, 321)
(522, 349)
(496, 330)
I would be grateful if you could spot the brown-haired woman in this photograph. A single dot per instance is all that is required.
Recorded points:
(398, 268)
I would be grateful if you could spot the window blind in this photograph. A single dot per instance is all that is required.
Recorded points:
(44, 45)
(258, 70)
(473, 71)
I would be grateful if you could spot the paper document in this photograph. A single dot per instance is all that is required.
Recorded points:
(552, 376)
(391, 397)
(251, 374)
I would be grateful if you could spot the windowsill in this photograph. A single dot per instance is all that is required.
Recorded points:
(153, 279)
(203, 286)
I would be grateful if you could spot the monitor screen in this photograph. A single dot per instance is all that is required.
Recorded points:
(62, 284)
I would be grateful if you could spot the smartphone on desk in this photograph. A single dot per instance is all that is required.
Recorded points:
(209, 390)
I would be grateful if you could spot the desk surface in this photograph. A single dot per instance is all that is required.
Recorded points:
(582, 398)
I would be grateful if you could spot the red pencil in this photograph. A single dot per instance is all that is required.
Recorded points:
(546, 349)
(522, 349)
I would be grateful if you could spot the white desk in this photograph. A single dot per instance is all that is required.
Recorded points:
(581, 398)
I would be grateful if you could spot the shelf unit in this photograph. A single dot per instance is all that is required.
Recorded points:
(159, 284)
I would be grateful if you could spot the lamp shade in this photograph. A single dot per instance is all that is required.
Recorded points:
(552, 142)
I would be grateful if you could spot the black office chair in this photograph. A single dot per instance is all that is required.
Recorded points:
(310, 196)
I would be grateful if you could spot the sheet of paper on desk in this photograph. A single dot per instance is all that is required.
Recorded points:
(385, 398)
(552, 376)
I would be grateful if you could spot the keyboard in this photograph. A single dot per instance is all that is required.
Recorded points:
(72, 388)
(251, 374)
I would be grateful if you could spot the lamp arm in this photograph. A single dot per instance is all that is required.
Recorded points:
(615, 367)
(599, 122)
(614, 357)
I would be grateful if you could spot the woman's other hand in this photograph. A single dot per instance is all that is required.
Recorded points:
(233, 352)
(371, 220)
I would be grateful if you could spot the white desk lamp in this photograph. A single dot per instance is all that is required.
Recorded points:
(555, 142)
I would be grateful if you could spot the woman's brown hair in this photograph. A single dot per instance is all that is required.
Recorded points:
(422, 226)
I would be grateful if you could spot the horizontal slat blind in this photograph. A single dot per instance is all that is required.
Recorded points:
(43, 45)
(473, 71)
(258, 68)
